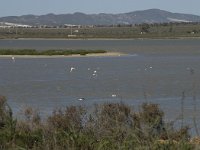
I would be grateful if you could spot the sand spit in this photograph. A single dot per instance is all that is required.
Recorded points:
(108, 54)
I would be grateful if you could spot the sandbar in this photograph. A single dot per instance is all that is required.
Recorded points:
(108, 54)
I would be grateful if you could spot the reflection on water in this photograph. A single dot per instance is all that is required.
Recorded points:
(146, 75)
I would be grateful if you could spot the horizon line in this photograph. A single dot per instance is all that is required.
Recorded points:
(95, 13)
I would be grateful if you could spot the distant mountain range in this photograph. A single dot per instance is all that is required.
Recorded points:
(135, 17)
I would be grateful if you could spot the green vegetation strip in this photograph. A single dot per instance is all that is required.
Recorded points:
(154, 31)
(48, 52)
(109, 126)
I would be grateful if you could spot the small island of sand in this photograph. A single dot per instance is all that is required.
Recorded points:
(29, 53)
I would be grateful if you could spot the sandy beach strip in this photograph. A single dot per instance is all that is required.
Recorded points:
(108, 54)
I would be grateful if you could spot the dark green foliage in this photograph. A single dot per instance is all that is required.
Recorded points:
(163, 30)
(152, 116)
(70, 119)
(145, 27)
(48, 52)
(7, 124)
(106, 126)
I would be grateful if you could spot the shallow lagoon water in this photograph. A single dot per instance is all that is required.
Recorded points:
(157, 71)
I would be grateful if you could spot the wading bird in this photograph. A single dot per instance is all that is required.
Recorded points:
(72, 68)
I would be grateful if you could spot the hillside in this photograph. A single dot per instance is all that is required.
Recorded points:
(135, 17)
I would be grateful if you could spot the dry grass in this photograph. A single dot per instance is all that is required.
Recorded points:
(106, 126)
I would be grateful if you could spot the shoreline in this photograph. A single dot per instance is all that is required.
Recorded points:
(139, 38)
(108, 54)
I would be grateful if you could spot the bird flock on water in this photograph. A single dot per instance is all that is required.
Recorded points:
(94, 73)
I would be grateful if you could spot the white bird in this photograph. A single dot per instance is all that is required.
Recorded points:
(72, 68)
(151, 67)
(81, 99)
(95, 71)
(13, 58)
(88, 69)
(114, 95)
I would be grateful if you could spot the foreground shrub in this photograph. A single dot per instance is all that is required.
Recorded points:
(105, 126)
(7, 124)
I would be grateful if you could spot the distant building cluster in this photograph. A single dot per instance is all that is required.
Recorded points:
(16, 25)
(13, 25)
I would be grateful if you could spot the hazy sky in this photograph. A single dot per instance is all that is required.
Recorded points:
(38, 7)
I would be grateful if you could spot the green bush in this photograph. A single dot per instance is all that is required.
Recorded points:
(105, 126)
(47, 52)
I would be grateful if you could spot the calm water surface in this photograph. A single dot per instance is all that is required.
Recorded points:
(156, 71)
